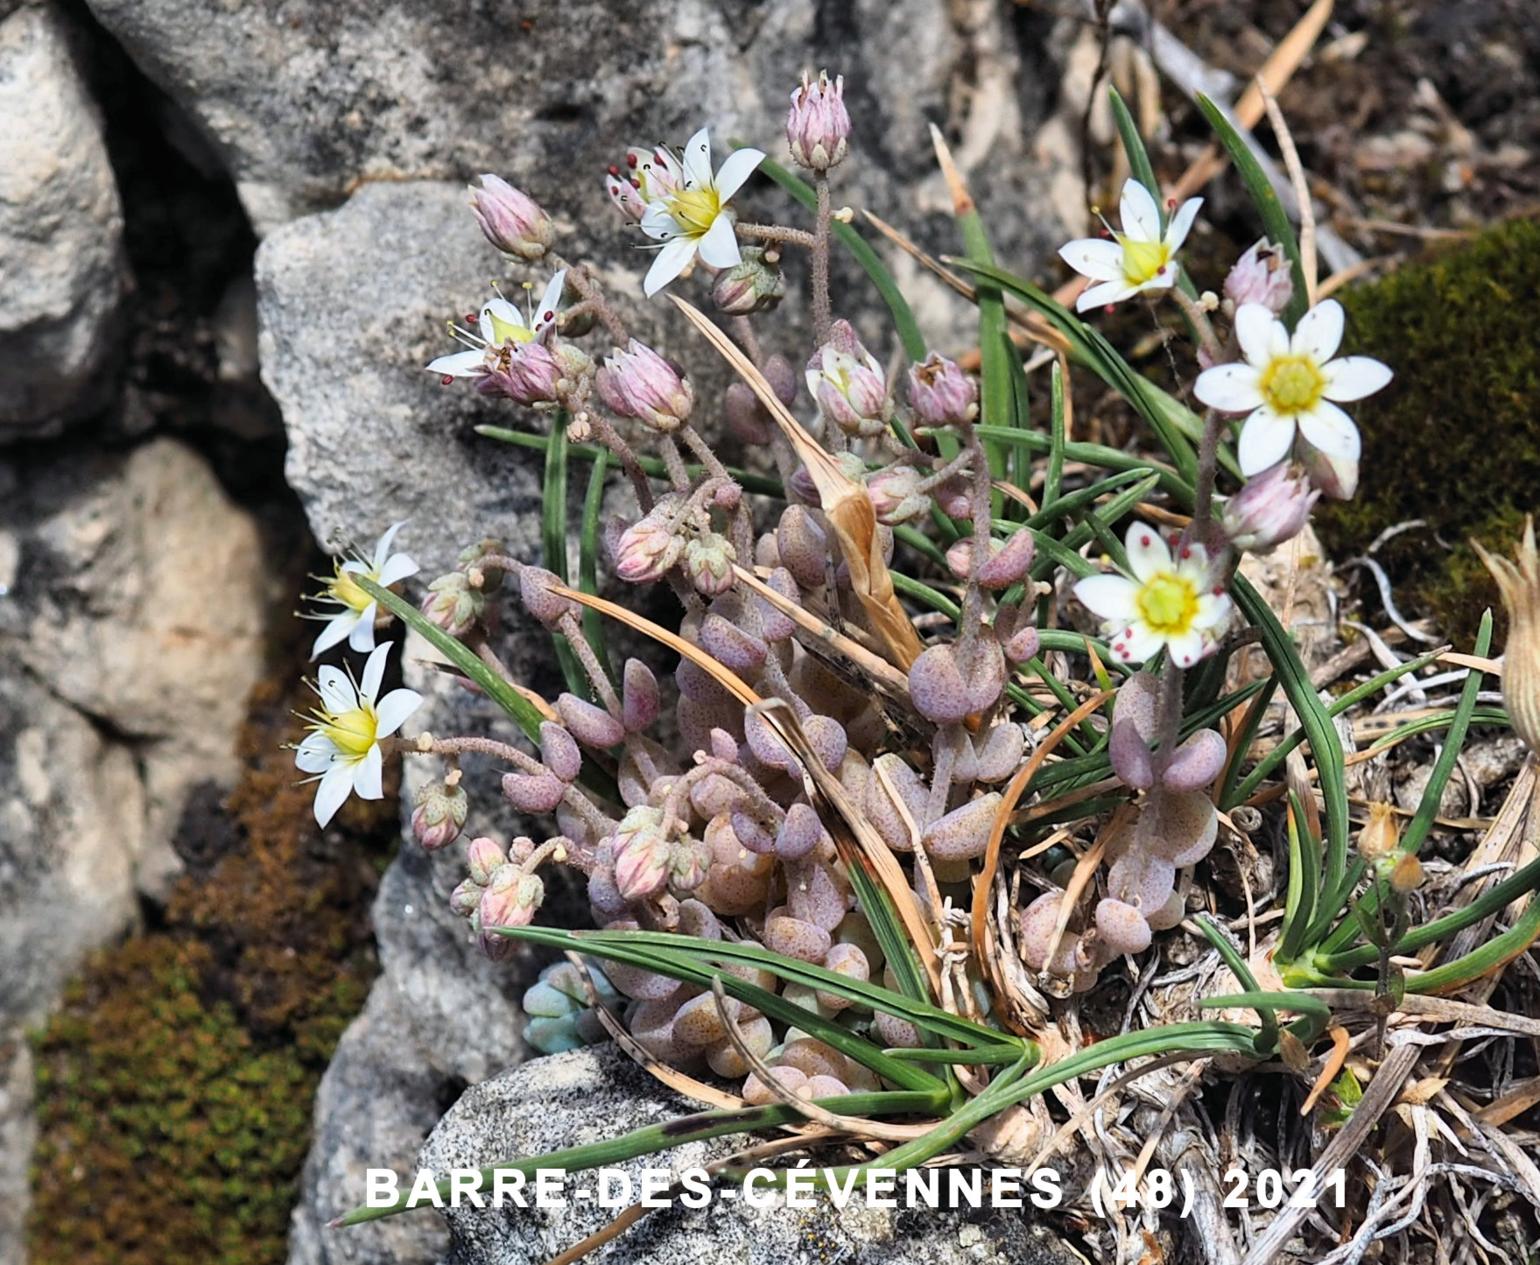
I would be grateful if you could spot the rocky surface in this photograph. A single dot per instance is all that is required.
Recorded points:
(597, 1093)
(61, 230)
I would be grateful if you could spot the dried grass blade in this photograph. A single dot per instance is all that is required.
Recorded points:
(845, 505)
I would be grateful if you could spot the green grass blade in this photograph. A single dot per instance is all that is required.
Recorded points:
(553, 539)
(1275, 220)
(525, 713)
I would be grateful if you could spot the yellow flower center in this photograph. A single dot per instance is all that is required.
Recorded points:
(344, 588)
(1291, 384)
(1168, 604)
(695, 210)
(505, 332)
(351, 732)
(1143, 261)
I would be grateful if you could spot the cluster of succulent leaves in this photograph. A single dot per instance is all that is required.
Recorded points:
(1343, 919)
(175, 1082)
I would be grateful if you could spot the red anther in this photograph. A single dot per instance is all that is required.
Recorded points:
(1219, 590)
(1104, 232)
(547, 316)
(446, 379)
(613, 169)
(1170, 204)
(1145, 540)
(1161, 271)
(630, 160)
(1186, 552)
(1109, 307)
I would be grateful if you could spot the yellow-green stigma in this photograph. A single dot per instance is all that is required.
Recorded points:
(1143, 261)
(352, 732)
(505, 332)
(1168, 604)
(345, 589)
(695, 210)
(1292, 384)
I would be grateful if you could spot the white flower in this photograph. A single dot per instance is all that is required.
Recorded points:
(1138, 258)
(1177, 603)
(501, 326)
(342, 749)
(694, 216)
(1283, 383)
(355, 609)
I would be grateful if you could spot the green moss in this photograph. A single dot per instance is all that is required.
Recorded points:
(1455, 439)
(175, 1082)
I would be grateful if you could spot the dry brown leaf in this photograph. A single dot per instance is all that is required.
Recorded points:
(845, 505)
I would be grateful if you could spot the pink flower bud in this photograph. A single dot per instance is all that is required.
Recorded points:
(818, 125)
(708, 559)
(941, 394)
(511, 899)
(955, 498)
(639, 383)
(648, 548)
(639, 697)
(1273, 507)
(454, 604)
(535, 592)
(511, 220)
(466, 898)
(1336, 477)
(483, 856)
(641, 854)
(895, 495)
(625, 195)
(438, 814)
(559, 752)
(688, 861)
(754, 284)
(848, 384)
(1261, 275)
(532, 792)
(590, 724)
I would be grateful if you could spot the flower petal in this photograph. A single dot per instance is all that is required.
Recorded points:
(697, 160)
(382, 546)
(1104, 294)
(1353, 377)
(1187, 649)
(315, 754)
(1232, 388)
(1331, 430)
(1148, 553)
(397, 567)
(1138, 212)
(368, 774)
(1110, 596)
(1181, 223)
(673, 259)
(459, 364)
(1138, 641)
(658, 224)
(391, 712)
(337, 693)
(1094, 257)
(719, 247)
(337, 628)
(1319, 332)
(1213, 611)
(361, 638)
(330, 792)
(550, 300)
(374, 672)
(736, 168)
(1261, 335)
(1264, 442)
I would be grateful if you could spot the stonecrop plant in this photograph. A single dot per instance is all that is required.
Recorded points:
(954, 710)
